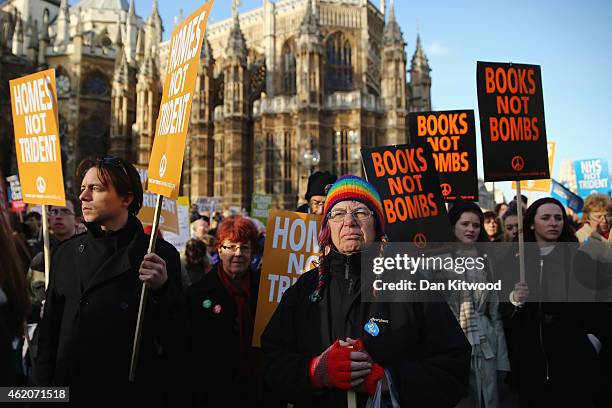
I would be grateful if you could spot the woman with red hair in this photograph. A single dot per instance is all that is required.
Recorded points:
(225, 369)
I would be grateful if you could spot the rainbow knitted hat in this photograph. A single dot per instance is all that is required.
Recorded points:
(353, 188)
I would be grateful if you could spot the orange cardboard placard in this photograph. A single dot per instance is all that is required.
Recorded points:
(166, 161)
(291, 249)
(34, 107)
(168, 220)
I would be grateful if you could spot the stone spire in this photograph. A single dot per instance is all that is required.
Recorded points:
(153, 31)
(310, 22)
(392, 34)
(206, 52)
(236, 44)
(63, 24)
(130, 32)
(420, 80)
(43, 40)
(118, 41)
(140, 40)
(17, 46)
(419, 59)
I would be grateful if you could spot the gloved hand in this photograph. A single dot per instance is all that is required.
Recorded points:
(332, 368)
(376, 373)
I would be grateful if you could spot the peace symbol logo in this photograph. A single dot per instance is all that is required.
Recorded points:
(446, 189)
(41, 185)
(162, 166)
(420, 240)
(518, 163)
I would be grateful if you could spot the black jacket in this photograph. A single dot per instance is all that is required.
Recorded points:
(552, 360)
(87, 331)
(421, 344)
(217, 378)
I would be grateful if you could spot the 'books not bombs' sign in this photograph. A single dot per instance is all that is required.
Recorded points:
(452, 137)
(37, 142)
(171, 131)
(512, 123)
(405, 177)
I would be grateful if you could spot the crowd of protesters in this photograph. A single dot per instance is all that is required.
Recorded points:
(471, 348)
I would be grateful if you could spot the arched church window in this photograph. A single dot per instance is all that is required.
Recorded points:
(288, 56)
(96, 84)
(339, 63)
(93, 137)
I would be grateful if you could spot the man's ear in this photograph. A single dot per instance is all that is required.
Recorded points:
(127, 200)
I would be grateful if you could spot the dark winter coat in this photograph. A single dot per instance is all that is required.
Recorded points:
(217, 378)
(421, 344)
(552, 360)
(87, 331)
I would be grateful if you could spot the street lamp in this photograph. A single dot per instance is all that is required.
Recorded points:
(311, 157)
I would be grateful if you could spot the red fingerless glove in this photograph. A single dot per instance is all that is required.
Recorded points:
(369, 384)
(332, 368)
(376, 374)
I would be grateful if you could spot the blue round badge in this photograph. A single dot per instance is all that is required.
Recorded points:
(371, 328)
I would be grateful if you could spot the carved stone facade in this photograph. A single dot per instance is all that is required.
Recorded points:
(289, 77)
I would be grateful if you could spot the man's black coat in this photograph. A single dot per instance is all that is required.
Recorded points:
(87, 332)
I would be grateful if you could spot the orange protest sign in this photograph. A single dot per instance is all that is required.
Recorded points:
(542, 185)
(166, 161)
(291, 249)
(168, 220)
(34, 106)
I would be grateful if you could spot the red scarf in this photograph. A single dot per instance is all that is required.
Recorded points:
(240, 291)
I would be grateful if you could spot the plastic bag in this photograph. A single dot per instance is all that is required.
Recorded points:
(378, 400)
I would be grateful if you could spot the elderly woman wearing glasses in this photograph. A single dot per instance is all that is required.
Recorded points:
(324, 339)
(224, 368)
(596, 219)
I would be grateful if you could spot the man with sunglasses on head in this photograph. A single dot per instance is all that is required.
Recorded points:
(87, 330)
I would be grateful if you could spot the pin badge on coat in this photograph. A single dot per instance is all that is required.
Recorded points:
(371, 328)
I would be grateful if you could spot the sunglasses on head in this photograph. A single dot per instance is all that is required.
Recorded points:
(111, 161)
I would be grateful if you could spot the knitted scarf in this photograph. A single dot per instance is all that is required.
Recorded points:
(239, 290)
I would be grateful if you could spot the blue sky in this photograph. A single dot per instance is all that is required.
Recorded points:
(569, 39)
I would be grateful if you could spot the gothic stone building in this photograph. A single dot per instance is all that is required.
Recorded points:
(275, 84)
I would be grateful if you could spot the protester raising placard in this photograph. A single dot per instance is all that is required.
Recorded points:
(512, 125)
(452, 137)
(406, 179)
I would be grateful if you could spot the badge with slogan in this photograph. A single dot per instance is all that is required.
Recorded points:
(371, 328)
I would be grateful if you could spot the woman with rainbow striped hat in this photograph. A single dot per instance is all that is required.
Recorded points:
(324, 340)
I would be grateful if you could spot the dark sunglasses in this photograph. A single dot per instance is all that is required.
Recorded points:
(111, 161)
